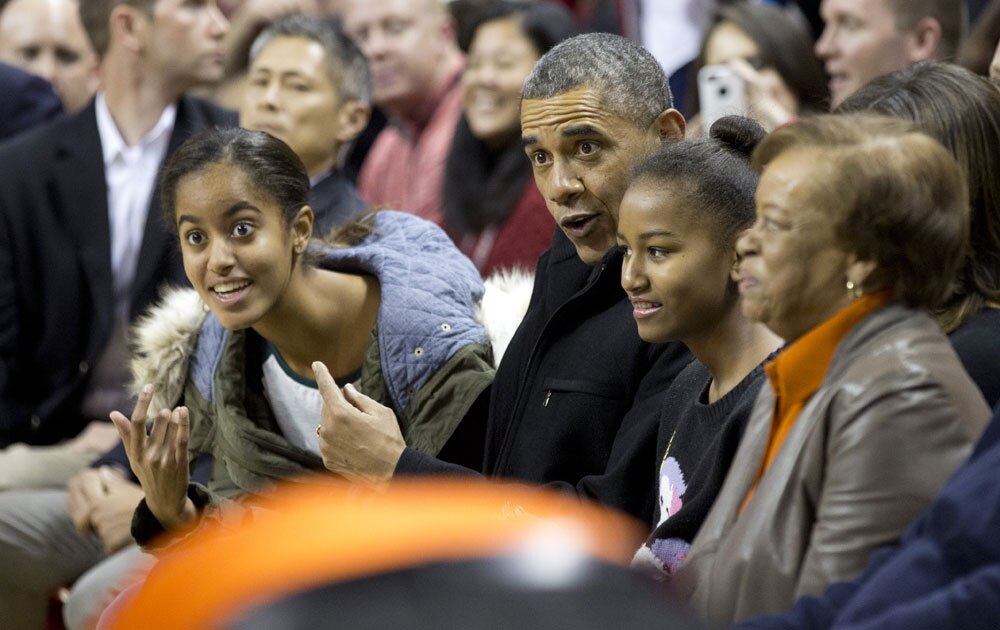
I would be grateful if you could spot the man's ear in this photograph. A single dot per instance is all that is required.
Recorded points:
(352, 118)
(128, 26)
(995, 67)
(669, 125)
(734, 268)
(924, 40)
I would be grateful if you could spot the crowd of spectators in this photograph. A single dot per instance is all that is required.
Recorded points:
(247, 245)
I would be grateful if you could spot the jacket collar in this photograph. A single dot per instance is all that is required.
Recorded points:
(797, 372)
(754, 442)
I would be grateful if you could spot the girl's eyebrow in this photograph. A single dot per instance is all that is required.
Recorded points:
(663, 233)
(650, 234)
(231, 210)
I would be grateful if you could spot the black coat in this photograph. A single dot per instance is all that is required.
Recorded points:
(55, 268)
(576, 399)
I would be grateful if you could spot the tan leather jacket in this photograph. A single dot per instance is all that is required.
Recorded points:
(895, 416)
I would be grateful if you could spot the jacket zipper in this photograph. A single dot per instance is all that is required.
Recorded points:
(532, 360)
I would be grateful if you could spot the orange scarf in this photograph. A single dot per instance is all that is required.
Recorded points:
(798, 371)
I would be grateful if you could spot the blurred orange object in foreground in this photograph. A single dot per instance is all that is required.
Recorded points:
(309, 535)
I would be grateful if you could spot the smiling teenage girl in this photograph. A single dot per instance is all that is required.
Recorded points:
(678, 225)
(387, 304)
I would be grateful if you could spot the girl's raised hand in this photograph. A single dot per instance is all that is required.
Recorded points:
(160, 458)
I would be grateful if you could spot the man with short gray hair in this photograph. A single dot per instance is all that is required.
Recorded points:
(577, 395)
(84, 251)
(308, 85)
(577, 98)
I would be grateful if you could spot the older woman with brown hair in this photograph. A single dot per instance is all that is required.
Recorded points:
(861, 227)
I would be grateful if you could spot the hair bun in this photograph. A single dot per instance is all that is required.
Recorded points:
(737, 133)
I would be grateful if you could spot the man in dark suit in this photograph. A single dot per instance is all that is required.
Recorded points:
(83, 251)
(309, 86)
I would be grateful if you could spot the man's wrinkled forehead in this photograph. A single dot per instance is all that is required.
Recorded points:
(583, 103)
(866, 10)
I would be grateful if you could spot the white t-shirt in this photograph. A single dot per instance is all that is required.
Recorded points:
(295, 401)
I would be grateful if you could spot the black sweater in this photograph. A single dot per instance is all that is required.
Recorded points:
(694, 448)
(576, 399)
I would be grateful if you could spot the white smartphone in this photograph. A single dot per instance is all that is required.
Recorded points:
(721, 92)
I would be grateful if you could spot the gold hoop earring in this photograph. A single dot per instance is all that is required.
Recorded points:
(853, 290)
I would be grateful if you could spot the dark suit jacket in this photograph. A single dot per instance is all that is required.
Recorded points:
(25, 101)
(55, 268)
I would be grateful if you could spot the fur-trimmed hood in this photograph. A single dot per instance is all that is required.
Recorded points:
(504, 303)
(163, 341)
